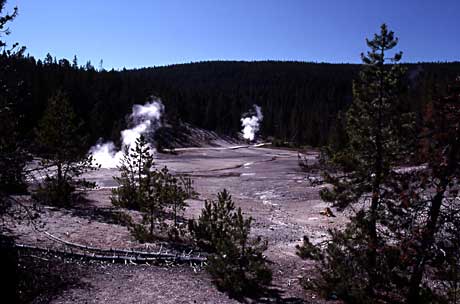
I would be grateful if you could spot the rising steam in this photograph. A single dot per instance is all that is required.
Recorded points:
(251, 124)
(145, 119)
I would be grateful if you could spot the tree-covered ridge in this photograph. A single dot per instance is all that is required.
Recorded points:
(299, 100)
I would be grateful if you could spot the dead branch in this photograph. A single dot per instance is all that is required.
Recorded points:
(144, 254)
(153, 258)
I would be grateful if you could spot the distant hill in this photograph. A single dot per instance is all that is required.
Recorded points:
(299, 100)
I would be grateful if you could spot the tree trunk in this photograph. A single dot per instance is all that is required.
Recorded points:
(378, 168)
(175, 214)
(59, 174)
(151, 221)
(427, 242)
(431, 227)
(373, 243)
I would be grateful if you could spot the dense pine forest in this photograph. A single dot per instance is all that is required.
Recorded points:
(300, 101)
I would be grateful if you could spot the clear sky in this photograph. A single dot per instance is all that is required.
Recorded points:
(140, 33)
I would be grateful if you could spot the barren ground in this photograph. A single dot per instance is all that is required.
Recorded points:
(266, 183)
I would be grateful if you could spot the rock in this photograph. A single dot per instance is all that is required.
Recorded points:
(327, 212)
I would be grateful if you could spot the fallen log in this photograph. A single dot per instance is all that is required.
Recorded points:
(115, 251)
(155, 258)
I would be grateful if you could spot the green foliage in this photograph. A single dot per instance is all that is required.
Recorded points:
(141, 233)
(237, 264)
(51, 192)
(126, 195)
(430, 201)
(377, 124)
(342, 271)
(63, 154)
(151, 191)
(13, 157)
(12, 153)
(307, 250)
(355, 265)
(300, 100)
(173, 191)
(136, 177)
(402, 239)
(214, 222)
(139, 188)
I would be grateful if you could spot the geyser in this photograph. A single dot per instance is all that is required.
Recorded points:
(251, 124)
(145, 118)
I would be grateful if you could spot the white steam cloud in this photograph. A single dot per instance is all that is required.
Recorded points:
(251, 124)
(146, 118)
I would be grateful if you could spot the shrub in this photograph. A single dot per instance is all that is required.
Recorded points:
(151, 191)
(307, 250)
(236, 264)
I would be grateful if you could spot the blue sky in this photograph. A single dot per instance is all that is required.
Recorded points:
(142, 33)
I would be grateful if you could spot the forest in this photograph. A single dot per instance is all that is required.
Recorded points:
(300, 101)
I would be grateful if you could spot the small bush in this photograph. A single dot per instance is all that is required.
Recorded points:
(343, 270)
(50, 192)
(237, 264)
(59, 194)
(307, 250)
(141, 233)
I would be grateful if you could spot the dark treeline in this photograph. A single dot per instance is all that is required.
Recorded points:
(300, 101)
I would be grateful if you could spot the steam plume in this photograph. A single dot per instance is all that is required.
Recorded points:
(145, 118)
(251, 124)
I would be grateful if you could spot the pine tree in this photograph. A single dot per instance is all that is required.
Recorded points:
(12, 149)
(237, 264)
(148, 185)
(75, 62)
(136, 176)
(173, 193)
(379, 129)
(139, 189)
(63, 153)
(431, 199)
(13, 157)
(48, 59)
(151, 191)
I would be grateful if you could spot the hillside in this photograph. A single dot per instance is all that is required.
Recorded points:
(299, 100)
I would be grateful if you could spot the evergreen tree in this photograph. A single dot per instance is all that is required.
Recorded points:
(173, 192)
(237, 264)
(139, 189)
(151, 191)
(148, 193)
(431, 206)
(48, 59)
(75, 62)
(137, 175)
(12, 153)
(13, 157)
(379, 128)
(63, 153)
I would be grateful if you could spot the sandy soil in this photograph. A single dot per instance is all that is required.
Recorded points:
(266, 183)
